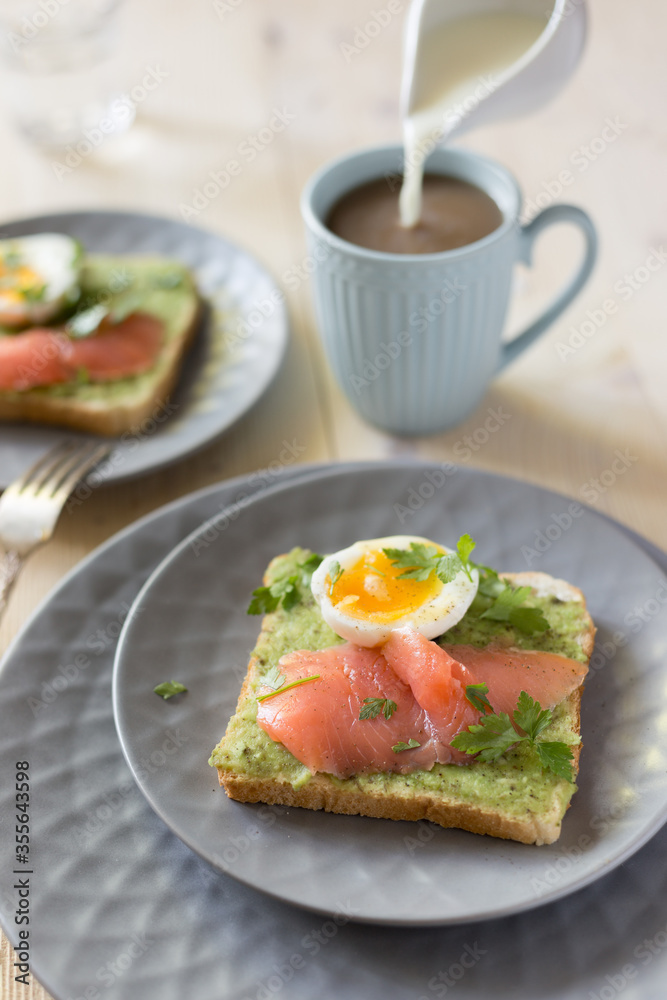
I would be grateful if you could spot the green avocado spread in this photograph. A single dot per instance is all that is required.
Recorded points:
(515, 784)
(162, 287)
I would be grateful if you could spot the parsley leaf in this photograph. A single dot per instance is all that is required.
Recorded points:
(400, 746)
(530, 717)
(287, 591)
(34, 293)
(507, 608)
(263, 601)
(274, 678)
(169, 688)
(420, 560)
(288, 687)
(476, 695)
(335, 574)
(490, 584)
(496, 734)
(556, 757)
(464, 547)
(310, 564)
(493, 737)
(373, 706)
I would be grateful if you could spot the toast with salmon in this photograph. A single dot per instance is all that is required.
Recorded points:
(511, 797)
(112, 381)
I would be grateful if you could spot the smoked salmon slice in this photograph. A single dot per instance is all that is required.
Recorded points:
(546, 677)
(438, 682)
(319, 723)
(43, 357)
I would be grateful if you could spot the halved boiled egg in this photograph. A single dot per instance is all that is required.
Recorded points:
(39, 276)
(364, 594)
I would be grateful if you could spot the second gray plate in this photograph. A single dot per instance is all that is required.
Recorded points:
(189, 623)
(236, 354)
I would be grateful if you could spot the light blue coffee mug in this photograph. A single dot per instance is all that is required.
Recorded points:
(415, 339)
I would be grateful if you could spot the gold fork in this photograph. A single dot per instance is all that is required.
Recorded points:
(30, 507)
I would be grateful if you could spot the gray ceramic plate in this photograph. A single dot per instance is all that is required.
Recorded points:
(224, 374)
(120, 906)
(189, 623)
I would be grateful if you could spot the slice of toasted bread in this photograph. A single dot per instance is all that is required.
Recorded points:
(112, 408)
(512, 798)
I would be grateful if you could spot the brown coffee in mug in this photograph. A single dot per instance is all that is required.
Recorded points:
(454, 213)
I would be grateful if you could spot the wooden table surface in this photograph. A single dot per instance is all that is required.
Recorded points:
(601, 144)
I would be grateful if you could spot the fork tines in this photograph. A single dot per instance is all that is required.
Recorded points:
(59, 470)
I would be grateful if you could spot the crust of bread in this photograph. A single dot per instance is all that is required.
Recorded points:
(320, 792)
(93, 416)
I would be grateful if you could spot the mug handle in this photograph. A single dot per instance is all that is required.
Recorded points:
(527, 236)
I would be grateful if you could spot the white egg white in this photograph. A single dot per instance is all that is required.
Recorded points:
(56, 261)
(432, 618)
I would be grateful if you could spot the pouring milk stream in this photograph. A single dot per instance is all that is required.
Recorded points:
(458, 61)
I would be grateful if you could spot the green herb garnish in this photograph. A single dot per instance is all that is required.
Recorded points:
(476, 695)
(287, 687)
(335, 574)
(373, 706)
(169, 688)
(287, 591)
(507, 608)
(400, 746)
(13, 259)
(420, 560)
(34, 293)
(496, 734)
(274, 678)
(86, 322)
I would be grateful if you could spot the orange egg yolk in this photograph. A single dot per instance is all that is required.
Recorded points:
(14, 281)
(372, 588)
